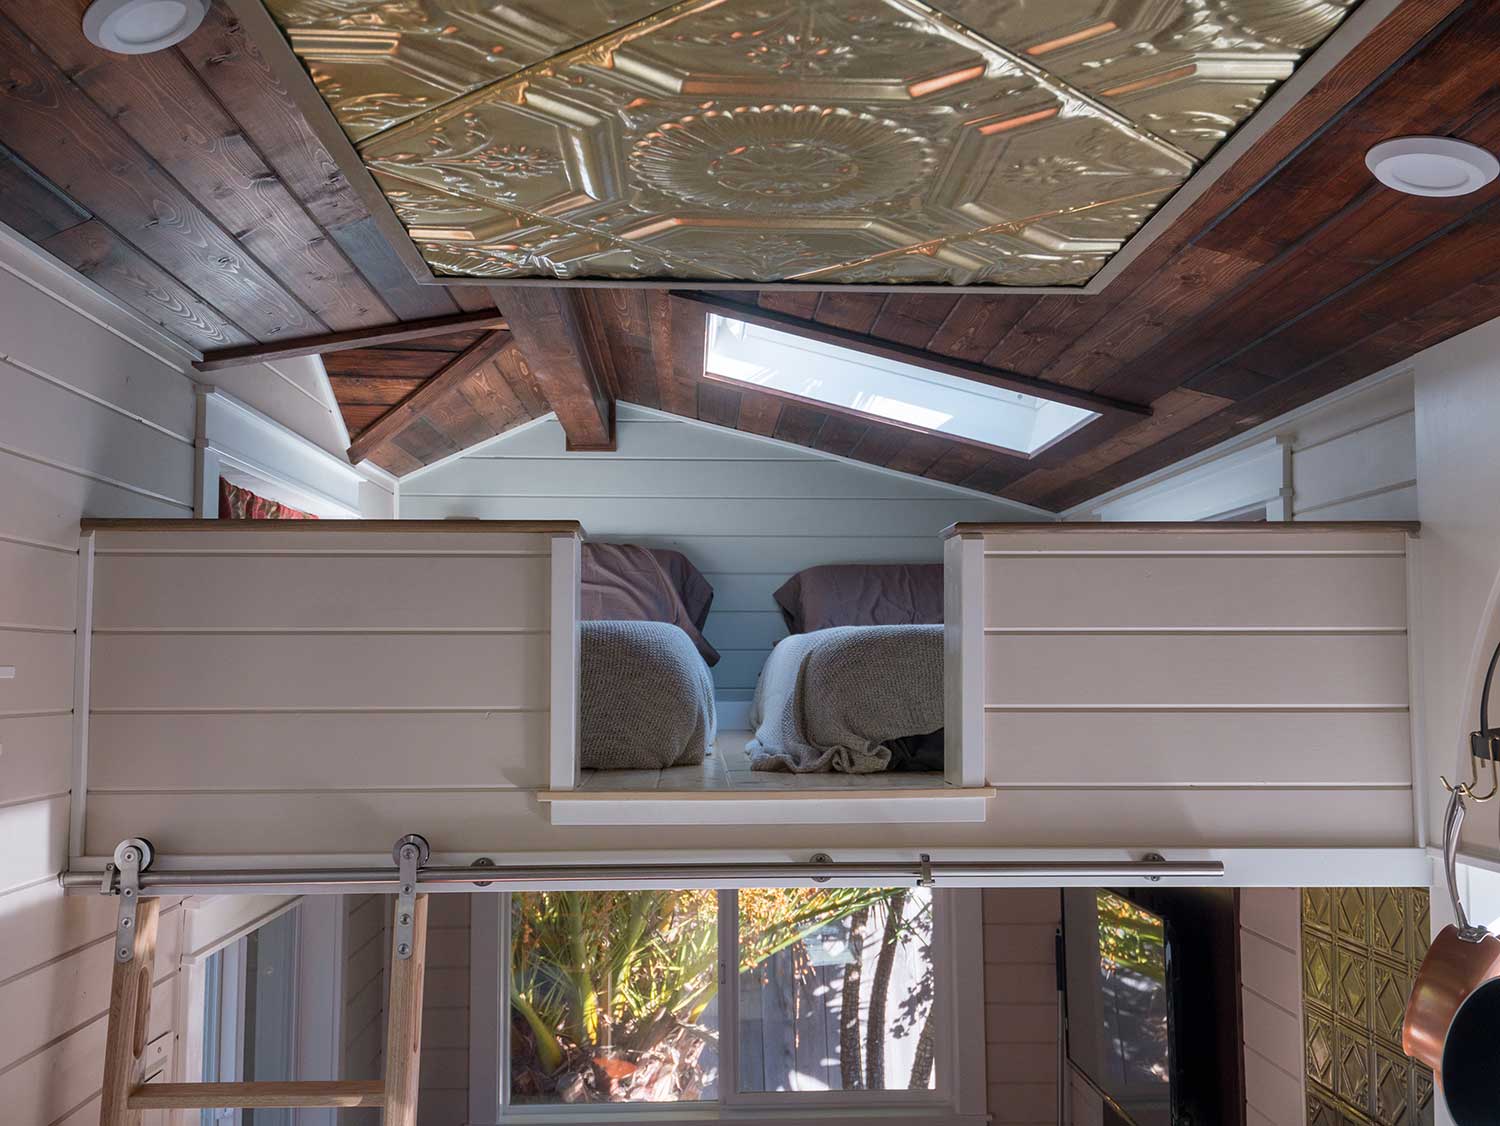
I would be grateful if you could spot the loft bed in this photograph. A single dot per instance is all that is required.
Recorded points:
(265, 690)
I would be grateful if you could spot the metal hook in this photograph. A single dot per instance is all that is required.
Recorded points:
(1466, 789)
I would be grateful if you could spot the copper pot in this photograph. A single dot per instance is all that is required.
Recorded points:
(1449, 1017)
(1455, 967)
(1471, 1059)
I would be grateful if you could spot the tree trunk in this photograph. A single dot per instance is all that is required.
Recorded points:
(851, 1072)
(921, 1064)
(879, 987)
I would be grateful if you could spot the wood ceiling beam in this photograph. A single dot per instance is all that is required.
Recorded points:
(918, 357)
(568, 359)
(410, 409)
(343, 341)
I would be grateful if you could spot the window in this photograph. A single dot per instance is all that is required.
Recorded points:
(760, 1000)
(885, 390)
(249, 1017)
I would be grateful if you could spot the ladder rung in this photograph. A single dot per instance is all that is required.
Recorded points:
(194, 1096)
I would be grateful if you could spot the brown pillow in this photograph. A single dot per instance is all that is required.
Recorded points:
(862, 594)
(625, 583)
(696, 592)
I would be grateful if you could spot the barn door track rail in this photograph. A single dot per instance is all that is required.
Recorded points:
(410, 869)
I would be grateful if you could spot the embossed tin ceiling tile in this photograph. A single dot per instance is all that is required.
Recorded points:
(787, 50)
(1189, 72)
(1064, 162)
(378, 64)
(768, 140)
(1020, 261)
(790, 250)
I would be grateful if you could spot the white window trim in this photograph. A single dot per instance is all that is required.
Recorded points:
(959, 1098)
(238, 442)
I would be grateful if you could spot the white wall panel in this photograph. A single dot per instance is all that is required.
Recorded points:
(1190, 670)
(44, 671)
(72, 990)
(35, 755)
(1366, 461)
(45, 423)
(1239, 681)
(387, 664)
(35, 833)
(1198, 748)
(291, 671)
(1271, 1005)
(1167, 592)
(253, 750)
(40, 587)
(437, 592)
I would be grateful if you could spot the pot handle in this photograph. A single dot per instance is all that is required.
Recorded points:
(1453, 821)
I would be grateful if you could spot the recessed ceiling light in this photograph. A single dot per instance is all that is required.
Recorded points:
(1438, 166)
(138, 27)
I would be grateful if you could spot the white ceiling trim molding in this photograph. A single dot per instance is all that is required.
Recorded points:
(249, 449)
(1241, 481)
(23, 259)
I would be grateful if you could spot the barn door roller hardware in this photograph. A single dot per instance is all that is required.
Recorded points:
(125, 1094)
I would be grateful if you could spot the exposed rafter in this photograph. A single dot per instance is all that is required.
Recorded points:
(558, 337)
(390, 424)
(343, 341)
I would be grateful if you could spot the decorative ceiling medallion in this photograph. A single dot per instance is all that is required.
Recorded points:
(962, 142)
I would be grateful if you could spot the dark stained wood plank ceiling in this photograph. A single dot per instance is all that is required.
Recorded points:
(186, 183)
(368, 382)
(1293, 275)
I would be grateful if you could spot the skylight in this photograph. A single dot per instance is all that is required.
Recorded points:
(885, 390)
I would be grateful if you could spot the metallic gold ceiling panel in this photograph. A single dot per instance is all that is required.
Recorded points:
(1189, 72)
(970, 142)
(379, 64)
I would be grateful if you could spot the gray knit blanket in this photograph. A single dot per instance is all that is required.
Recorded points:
(833, 699)
(646, 698)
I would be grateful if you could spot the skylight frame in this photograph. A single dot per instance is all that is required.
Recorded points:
(283, 62)
(1091, 413)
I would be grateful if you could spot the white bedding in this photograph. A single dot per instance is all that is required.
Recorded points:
(833, 699)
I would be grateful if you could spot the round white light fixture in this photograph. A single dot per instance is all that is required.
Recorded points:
(138, 27)
(1432, 165)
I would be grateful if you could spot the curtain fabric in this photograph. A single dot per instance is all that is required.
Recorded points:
(236, 503)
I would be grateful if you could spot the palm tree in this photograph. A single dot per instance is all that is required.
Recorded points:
(880, 986)
(850, 1072)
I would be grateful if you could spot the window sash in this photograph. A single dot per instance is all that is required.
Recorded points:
(490, 1027)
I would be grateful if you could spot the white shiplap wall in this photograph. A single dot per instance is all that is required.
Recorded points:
(1212, 679)
(1348, 456)
(90, 422)
(363, 1019)
(748, 511)
(1358, 460)
(1020, 1004)
(1271, 1006)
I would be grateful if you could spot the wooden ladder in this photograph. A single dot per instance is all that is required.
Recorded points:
(125, 1097)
